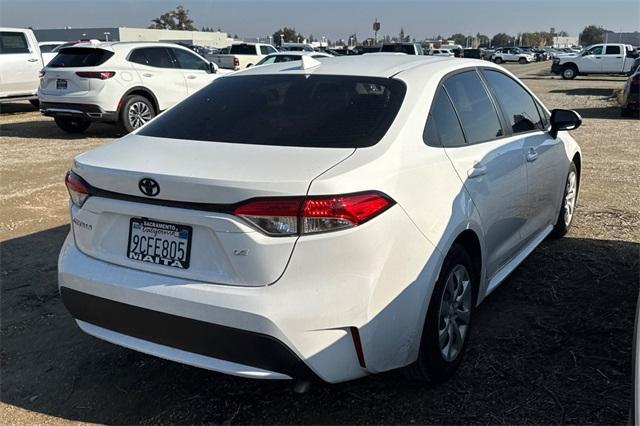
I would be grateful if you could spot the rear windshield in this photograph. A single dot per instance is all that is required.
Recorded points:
(243, 49)
(286, 110)
(73, 57)
(400, 48)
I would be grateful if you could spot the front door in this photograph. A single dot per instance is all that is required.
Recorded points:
(195, 70)
(592, 60)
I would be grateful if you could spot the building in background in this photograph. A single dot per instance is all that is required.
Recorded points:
(624, 38)
(210, 39)
(562, 42)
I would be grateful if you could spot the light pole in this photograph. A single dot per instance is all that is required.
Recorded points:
(106, 35)
(281, 39)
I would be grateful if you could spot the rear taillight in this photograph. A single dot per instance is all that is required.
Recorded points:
(102, 75)
(41, 73)
(635, 81)
(312, 215)
(236, 62)
(78, 189)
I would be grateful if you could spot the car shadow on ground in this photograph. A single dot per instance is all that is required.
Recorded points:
(46, 128)
(551, 345)
(611, 113)
(16, 108)
(585, 91)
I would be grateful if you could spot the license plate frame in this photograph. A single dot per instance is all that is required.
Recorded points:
(62, 84)
(173, 233)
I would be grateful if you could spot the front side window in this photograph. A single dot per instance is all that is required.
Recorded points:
(189, 61)
(476, 111)
(46, 48)
(516, 103)
(286, 110)
(595, 50)
(153, 57)
(12, 42)
(443, 127)
(267, 60)
(612, 50)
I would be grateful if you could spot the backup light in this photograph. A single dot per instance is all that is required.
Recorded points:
(312, 215)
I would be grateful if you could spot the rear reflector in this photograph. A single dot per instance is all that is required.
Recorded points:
(78, 189)
(102, 75)
(311, 215)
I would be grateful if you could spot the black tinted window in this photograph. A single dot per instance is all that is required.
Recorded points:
(189, 61)
(243, 49)
(46, 48)
(479, 118)
(72, 57)
(517, 104)
(11, 42)
(152, 56)
(443, 127)
(399, 48)
(300, 110)
(612, 50)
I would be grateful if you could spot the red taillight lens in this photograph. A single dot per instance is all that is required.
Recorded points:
(236, 62)
(78, 189)
(102, 75)
(311, 215)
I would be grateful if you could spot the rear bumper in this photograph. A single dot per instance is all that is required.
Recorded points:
(86, 111)
(366, 287)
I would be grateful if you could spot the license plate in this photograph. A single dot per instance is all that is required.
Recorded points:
(161, 243)
(61, 84)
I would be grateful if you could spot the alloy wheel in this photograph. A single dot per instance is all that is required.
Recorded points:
(139, 113)
(570, 197)
(568, 73)
(455, 313)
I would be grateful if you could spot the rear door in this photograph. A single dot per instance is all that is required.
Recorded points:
(158, 71)
(194, 69)
(490, 165)
(544, 156)
(20, 64)
(613, 58)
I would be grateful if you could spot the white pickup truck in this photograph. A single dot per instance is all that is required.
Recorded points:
(242, 55)
(597, 59)
(20, 65)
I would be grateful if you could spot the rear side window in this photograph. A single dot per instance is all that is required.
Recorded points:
(75, 57)
(243, 49)
(12, 42)
(286, 110)
(517, 104)
(46, 48)
(476, 111)
(612, 50)
(189, 61)
(158, 57)
(443, 127)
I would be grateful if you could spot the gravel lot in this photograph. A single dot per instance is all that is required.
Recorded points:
(551, 345)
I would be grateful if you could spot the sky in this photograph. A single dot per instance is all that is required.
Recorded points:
(335, 19)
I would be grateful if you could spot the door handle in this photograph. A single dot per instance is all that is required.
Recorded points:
(618, 57)
(191, 76)
(532, 155)
(477, 171)
(33, 60)
(147, 74)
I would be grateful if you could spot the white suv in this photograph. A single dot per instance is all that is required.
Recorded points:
(331, 218)
(123, 83)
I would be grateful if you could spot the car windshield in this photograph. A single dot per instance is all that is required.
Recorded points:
(285, 110)
(401, 48)
(73, 57)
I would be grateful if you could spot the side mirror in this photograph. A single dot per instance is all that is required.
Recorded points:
(213, 68)
(564, 119)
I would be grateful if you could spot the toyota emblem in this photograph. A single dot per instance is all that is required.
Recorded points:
(149, 187)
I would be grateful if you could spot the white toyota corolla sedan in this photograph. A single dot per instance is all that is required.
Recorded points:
(326, 218)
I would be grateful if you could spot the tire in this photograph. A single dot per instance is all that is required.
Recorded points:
(569, 72)
(568, 203)
(629, 113)
(72, 124)
(136, 110)
(35, 103)
(433, 364)
(522, 61)
(498, 60)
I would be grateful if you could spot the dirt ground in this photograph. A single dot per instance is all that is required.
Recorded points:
(551, 345)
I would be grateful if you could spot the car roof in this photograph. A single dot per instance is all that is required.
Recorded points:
(125, 45)
(297, 53)
(373, 65)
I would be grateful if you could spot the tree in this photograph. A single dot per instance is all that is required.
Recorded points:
(401, 34)
(177, 19)
(533, 39)
(289, 36)
(459, 38)
(563, 34)
(592, 35)
(501, 39)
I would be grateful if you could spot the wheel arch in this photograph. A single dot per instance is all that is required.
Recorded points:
(145, 93)
(470, 241)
